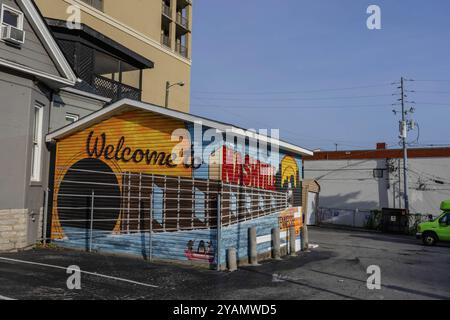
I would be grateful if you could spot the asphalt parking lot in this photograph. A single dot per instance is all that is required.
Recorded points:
(337, 269)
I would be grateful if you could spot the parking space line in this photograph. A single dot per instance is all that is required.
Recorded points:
(6, 298)
(85, 272)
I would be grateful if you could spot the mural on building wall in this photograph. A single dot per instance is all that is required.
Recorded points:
(204, 252)
(128, 163)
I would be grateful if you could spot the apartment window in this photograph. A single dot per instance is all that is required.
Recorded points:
(37, 143)
(71, 118)
(11, 17)
(97, 4)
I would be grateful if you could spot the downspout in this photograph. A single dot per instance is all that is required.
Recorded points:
(48, 194)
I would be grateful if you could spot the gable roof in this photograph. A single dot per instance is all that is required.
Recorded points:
(67, 76)
(127, 104)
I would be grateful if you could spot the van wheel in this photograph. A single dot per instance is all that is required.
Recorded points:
(429, 239)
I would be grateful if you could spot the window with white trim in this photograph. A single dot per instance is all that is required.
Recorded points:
(36, 151)
(11, 17)
(71, 118)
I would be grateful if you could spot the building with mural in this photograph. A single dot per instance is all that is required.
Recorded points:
(139, 179)
(57, 69)
(91, 166)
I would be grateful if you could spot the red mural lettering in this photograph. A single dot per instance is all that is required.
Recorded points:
(249, 173)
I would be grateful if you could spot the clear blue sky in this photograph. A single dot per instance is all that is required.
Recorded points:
(283, 60)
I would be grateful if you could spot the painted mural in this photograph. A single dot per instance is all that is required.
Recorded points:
(123, 172)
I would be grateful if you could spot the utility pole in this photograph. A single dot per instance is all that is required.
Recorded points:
(405, 126)
(399, 183)
(404, 136)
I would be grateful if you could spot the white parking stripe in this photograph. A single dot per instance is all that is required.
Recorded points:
(85, 272)
(6, 298)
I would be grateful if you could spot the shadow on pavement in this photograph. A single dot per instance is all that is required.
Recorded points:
(392, 287)
(296, 282)
(388, 238)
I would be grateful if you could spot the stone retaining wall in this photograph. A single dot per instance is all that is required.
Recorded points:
(13, 229)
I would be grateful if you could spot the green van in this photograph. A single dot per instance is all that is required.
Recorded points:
(438, 229)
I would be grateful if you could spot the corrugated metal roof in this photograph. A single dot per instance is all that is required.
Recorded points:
(127, 104)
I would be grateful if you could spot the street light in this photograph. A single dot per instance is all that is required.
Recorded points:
(168, 86)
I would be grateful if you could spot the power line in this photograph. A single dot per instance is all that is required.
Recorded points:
(329, 169)
(292, 133)
(434, 104)
(339, 169)
(350, 179)
(434, 145)
(420, 80)
(303, 137)
(289, 107)
(293, 99)
(431, 177)
(434, 92)
(359, 106)
(288, 92)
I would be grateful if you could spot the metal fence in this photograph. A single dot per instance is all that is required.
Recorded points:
(344, 217)
(154, 216)
(182, 20)
(114, 90)
(358, 218)
(181, 49)
(166, 10)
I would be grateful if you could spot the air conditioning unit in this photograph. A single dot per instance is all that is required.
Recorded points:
(13, 35)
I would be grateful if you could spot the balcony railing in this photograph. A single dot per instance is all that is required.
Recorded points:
(183, 21)
(114, 90)
(165, 40)
(166, 10)
(182, 50)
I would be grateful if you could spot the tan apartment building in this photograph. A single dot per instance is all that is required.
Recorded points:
(156, 33)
